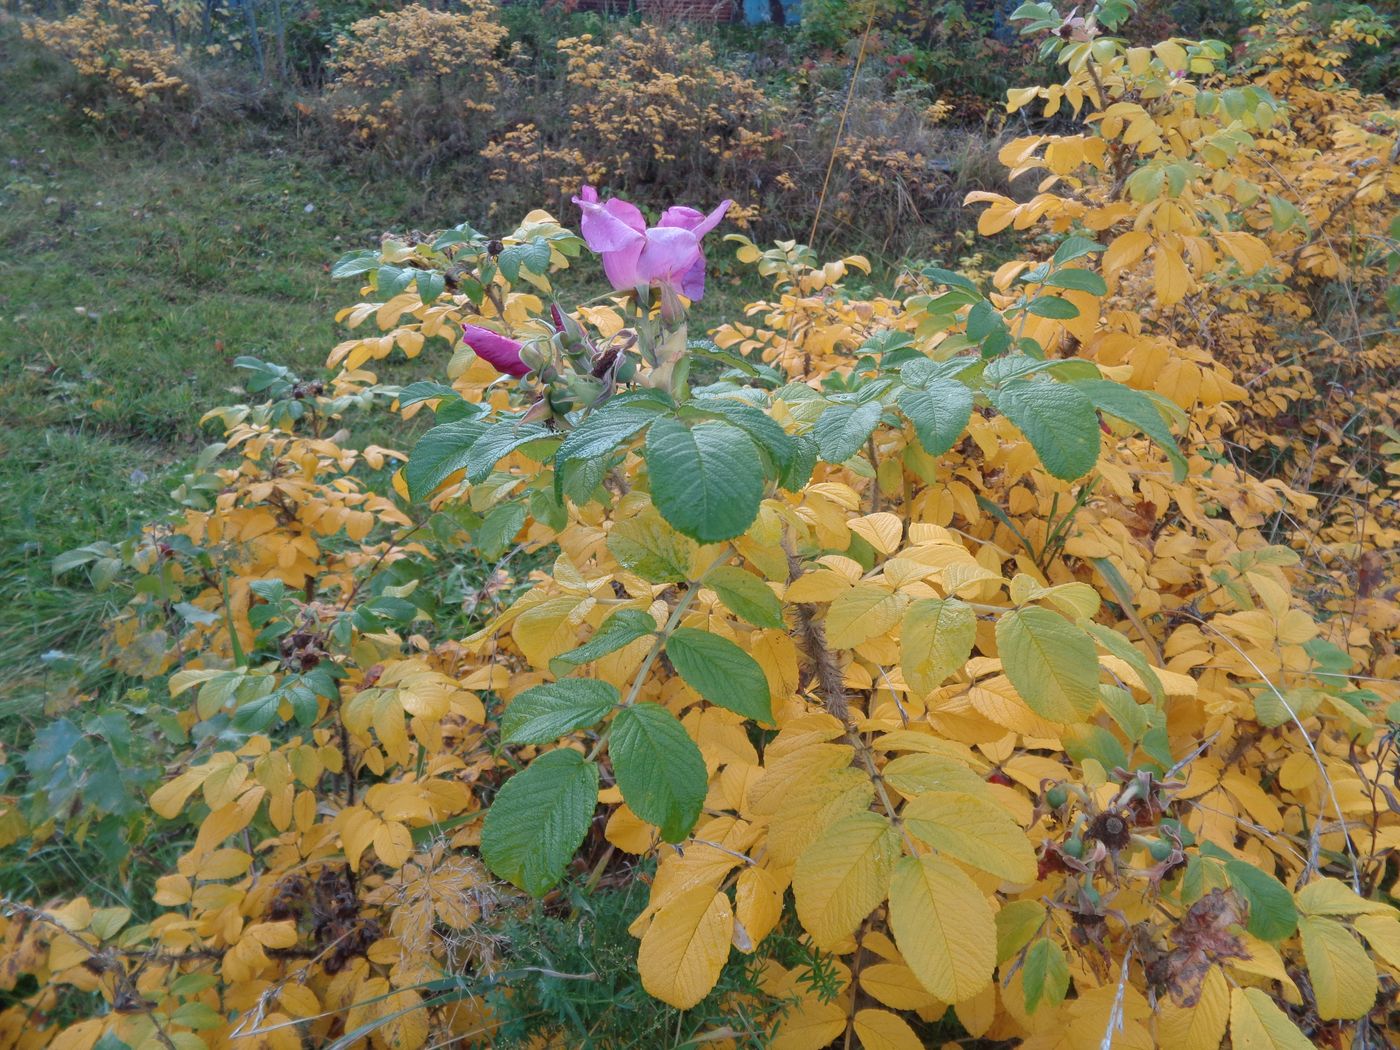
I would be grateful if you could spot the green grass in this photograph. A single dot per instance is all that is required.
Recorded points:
(132, 273)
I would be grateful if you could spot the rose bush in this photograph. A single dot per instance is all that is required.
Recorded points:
(927, 656)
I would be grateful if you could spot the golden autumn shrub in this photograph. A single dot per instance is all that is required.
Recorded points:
(119, 53)
(653, 110)
(646, 107)
(1292, 300)
(928, 656)
(416, 84)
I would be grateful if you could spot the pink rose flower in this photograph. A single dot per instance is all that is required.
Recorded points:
(666, 255)
(498, 351)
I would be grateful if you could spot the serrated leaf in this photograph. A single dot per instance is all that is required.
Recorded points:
(648, 546)
(799, 469)
(1051, 663)
(842, 430)
(1053, 307)
(721, 672)
(1120, 647)
(918, 774)
(498, 442)
(389, 281)
(606, 429)
(440, 453)
(430, 285)
(944, 927)
(545, 713)
(1272, 915)
(620, 629)
(1256, 1023)
(707, 482)
(843, 876)
(1058, 420)
(985, 320)
(765, 431)
(935, 640)
(1017, 923)
(1329, 896)
(1343, 976)
(1140, 410)
(659, 769)
(1382, 933)
(356, 262)
(951, 278)
(747, 596)
(975, 830)
(427, 390)
(538, 819)
(498, 529)
(686, 945)
(861, 613)
(1045, 974)
(1078, 281)
(939, 412)
(1072, 248)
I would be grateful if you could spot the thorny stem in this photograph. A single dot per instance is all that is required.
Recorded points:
(346, 758)
(831, 687)
(811, 640)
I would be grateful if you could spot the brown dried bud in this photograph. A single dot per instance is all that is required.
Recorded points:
(1110, 829)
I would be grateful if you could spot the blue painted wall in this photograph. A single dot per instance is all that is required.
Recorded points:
(759, 11)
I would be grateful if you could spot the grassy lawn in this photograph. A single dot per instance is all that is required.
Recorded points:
(132, 274)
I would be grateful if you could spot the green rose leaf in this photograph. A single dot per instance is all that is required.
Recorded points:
(606, 429)
(745, 595)
(1143, 411)
(620, 629)
(1057, 419)
(706, 481)
(1078, 281)
(441, 452)
(1045, 976)
(545, 713)
(500, 441)
(538, 819)
(842, 430)
(659, 769)
(939, 412)
(721, 672)
(1051, 662)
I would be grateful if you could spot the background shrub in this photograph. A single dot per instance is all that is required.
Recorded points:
(128, 62)
(416, 86)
